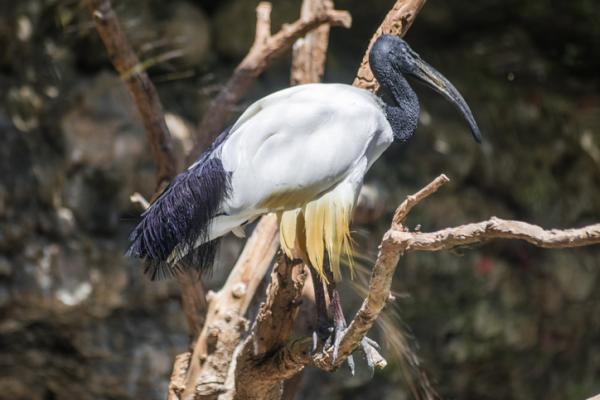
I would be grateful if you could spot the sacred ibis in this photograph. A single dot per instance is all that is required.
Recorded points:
(301, 152)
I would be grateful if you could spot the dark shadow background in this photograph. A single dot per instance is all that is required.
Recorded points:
(500, 321)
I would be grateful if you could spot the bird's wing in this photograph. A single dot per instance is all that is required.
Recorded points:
(290, 147)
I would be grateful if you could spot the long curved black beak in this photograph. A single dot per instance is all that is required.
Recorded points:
(432, 78)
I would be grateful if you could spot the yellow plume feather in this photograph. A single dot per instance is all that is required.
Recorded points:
(321, 224)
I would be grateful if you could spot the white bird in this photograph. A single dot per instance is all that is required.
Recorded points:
(301, 152)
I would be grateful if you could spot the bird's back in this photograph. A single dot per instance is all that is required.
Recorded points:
(302, 140)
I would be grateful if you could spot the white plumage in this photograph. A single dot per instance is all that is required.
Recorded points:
(298, 145)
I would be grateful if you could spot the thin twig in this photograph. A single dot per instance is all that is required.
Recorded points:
(266, 47)
(412, 200)
(496, 228)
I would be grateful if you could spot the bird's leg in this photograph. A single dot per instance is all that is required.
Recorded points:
(323, 321)
(339, 320)
(367, 345)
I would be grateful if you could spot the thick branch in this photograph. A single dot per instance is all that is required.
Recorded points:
(177, 381)
(148, 104)
(265, 48)
(225, 324)
(276, 316)
(265, 360)
(396, 22)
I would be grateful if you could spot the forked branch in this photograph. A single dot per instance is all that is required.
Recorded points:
(266, 47)
(398, 241)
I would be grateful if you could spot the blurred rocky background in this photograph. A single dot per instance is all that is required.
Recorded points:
(500, 321)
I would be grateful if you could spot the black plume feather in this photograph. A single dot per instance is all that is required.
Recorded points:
(181, 216)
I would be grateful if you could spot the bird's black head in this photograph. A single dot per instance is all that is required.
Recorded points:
(390, 56)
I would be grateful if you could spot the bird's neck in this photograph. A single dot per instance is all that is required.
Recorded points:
(401, 105)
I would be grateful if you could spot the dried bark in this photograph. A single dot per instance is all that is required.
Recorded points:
(225, 323)
(266, 47)
(310, 51)
(146, 99)
(266, 359)
(496, 228)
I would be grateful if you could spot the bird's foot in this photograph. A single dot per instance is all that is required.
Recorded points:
(338, 335)
(369, 347)
(327, 337)
(371, 350)
(321, 335)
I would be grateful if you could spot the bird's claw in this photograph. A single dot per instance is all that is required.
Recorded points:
(371, 343)
(336, 337)
(368, 345)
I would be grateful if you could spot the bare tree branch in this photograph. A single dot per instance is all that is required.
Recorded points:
(379, 286)
(496, 228)
(139, 85)
(146, 99)
(177, 381)
(398, 241)
(412, 200)
(310, 51)
(265, 360)
(265, 48)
